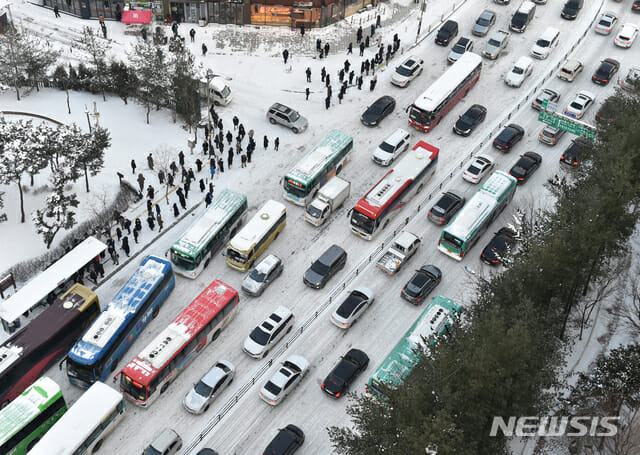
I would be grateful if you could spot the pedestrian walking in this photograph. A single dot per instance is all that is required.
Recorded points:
(238, 148)
(340, 96)
(378, 21)
(125, 245)
(372, 84)
(265, 142)
(183, 202)
(170, 180)
(207, 199)
(285, 56)
(323, 73)
(211, 188)
(360, 79)
(341, 75)
(190, 175)
(249, 153)
(318, 44)
(276, 144)
(202, 185)
(329, 92)
(149, 205)
(241, 131)
(119, 233)
(326, 49)
(236, 121)
(136, 233)
(56, 11)
(98, 267)
(250, 135)
(373, 29)
(230, 158)
(366, 42)
(160, 223)
(308, 71)
(173, 167)
(347, 65)
(204, 50)
(141, 182)
(103, 27)
(327, 102)
(198, 165)
(93, 276)
(180, 159)
(127, 225)
(220, 125)
(221, 164)
(151, 192)
(150, 161)
(321, 54)
(133, 166)
(306, 93)
(176, 212)
(192, 34)
(351, 76)
(361, 49)
(359, 34)
(350, 49)
(302, 30)
(229, 137)
(114, 256)
(187, 187)
(327, 80)
(243, 160)
(161, 176)
(143, 33)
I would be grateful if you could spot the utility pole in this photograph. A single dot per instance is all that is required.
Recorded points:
(423, 6)
(86, 111)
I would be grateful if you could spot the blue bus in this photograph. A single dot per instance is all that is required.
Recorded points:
(96, 354)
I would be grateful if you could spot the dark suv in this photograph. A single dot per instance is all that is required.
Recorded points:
(327, 265)
(447, 206)
(287, 441)
(421, 284)
(446, 33)
(508, 137)
(571, 8)
(571, 155)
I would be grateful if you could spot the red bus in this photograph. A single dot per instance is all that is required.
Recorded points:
(375, 210)
(445, 92)
(149, 374)
(45, 340)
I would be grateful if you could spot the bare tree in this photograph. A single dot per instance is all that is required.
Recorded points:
(162, 157)
(627, 306)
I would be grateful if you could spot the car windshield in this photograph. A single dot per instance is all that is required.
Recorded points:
(542, 43)
(294, 116)
(473, 170)
(151, 451)
(605, 22)
(517, 70)
(226, 91)
(576, 105)
(493, 42)
(203, 389)
(483, 21)
(272, 388)
(320, 268)
(624, 38)
(403, 71)
(256, 275)
(458, 49)
(259, 336)
(386, 147)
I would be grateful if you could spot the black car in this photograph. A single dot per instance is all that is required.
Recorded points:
(636, 6)
(571, 155)
(287, 441)
(327, 265)
(470, 119)
(508, 137)
(447, 32)
(498, 246)
(447, 206)
(571, 9)
(345, 372)
(607, 111)
(207, 452)
(374, 114)
(421, 284)
(526, 165)
(608, 67)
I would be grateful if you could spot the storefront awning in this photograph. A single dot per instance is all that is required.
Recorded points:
(136, 17)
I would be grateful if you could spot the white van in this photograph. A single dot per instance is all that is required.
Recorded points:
(219, 91)
(521, 70)
(545, 44)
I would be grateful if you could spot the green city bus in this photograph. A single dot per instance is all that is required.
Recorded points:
(434, 321)
(474, 218)
(29, 416)
(317, 168)
(213, 229)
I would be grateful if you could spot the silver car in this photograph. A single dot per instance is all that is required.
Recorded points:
(262, 275)
(209, 387)
(463, 45)
(279, 113)
(352, 307)
(484, 22)
(550, 135)
(606, 23)
(293, 369)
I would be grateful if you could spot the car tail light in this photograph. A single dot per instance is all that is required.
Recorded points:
(322, 386)
(418, 299)
(575, 163)
(441, 219)
(338, 395)
(366, 389)
(521, 178)
(461, 253)
(562, 157)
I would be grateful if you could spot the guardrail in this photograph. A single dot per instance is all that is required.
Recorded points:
(376, 252)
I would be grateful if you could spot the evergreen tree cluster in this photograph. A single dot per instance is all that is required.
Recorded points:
(506, 359)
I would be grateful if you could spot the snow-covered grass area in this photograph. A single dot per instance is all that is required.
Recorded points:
(260, 78)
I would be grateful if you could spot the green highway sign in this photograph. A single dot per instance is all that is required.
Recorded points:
(565, 123)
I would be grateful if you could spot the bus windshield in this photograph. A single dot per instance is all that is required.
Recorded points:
(77, 370)
(236, 255)
(363, 222)
(132, 388)
(294, 188)
(420, 116)
(186, 263)
(455, 241)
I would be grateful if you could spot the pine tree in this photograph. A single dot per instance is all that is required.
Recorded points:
(150, 67)
(11, 60)
(57, 214)
(185, 87)
(13, 156)
(97, 50)
(122, 80)
(38, 59)
(90, 156)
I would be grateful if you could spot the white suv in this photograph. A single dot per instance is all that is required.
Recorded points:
(267, 334)
(392, 147)
(520, 71)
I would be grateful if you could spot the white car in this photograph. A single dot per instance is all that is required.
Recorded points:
(267, 334)
(262, 275)
(606, 23)
(209, 387)
(352, 307)
(479, 167)
(627, 35)
(520, 71)
(580, 104)
(392, 147)
(293, 369)
(464, 44)
(409, 69)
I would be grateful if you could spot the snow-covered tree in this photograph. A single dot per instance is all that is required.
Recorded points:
(38, 59)
(90, 155)
(11, 60)
(152, 69)
(3, 216)
(185, 87)
(97, 50)
(14, 161)
(57, 214)
(123, 80)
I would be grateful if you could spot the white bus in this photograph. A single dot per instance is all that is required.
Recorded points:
(248, 244)
(82, 429)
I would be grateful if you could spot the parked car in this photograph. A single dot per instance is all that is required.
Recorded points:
(262, 275)
(287, 441)
(288, 376)
(351, 308)
(508, 137)
(631, 81)
(496, 44)
(550, 135)
(605, 72)
(375, 113)
(279, 113)
(446, 207)
(570, 70)
(407, 71)
(606, 23)
(552, 96)
(626, 35)
(469, 120)
(421, 284)
(479, 167)
(571, 9)
(573, 154)
(525, 166)
(484, 22)
(209, 387)
(464, 44)
(345, 372)
(583, 101)
(327, 265)
(392, 147)
(520, 71)
(499, 246)
(447, 32)
(167, 442)
(266, 335)
(546, 43)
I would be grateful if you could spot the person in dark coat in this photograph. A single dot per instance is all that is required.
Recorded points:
(359, 34)
(125, 245)
(207, 199)
(306, 93)
(176, 212)
(183, 175)
(181, 158)
(211, 188)
(98, 267)
(151, 192)
(276, 144)
(150, 206)
(56, 11)
(265, 142)
(183, 202)
(372, 84)
(220, 125)
(190, 174)
(192, 34)
(327, 80)
(138, 225)
(341, 75)
(327, 102)
(351, 75)
(198, 165)
(160, 223)
(229, 137)
(366, 41)
(170, 179)
(150, 161)
(119, 233)
(141, 182)
(133, 166)
(308, 72)
(161, 176)
(157, 206)
(340, 96)
(236, 121)
(326, 49)
(360, 79)
(318, 44)
(249, 153)
(350, 49)
(221, 164)
(373, 29)
(173, 167)
(143, 34)
(329, 92)
(230, 158)
(202, 185)
(127, 225)
(205, 147)
(323, 73)
(285, 56)
(241, 131)
(361, 49)
(136, 233)
(187, 187)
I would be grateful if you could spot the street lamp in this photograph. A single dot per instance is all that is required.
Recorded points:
(423, 6)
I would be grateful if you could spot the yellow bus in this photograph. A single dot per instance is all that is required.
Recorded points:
(248, 244)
